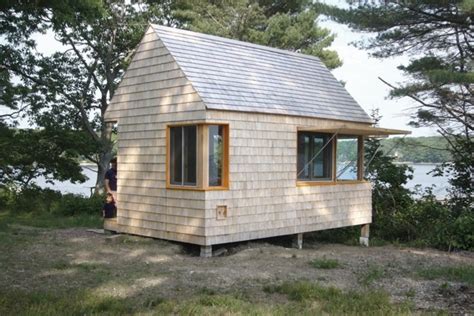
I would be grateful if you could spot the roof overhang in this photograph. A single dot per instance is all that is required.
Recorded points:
(372, 131)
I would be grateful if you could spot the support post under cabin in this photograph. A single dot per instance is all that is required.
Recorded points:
(364, 235)
(298, 241)
(206, 251)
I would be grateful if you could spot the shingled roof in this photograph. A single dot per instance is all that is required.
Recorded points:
(239, 76)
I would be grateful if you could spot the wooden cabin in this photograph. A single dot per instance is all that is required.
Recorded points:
(223, 141)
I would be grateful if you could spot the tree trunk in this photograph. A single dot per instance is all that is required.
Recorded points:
(102, 167)
(105, 156)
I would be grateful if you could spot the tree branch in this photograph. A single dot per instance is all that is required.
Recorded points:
(449, 110)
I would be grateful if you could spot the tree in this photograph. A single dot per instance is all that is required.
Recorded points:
(289, 25)
(438, 35)
(26, 154)
(391, 201)
(71, 89)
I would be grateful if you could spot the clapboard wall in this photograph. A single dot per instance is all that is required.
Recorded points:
(264, 199)
(153, 93)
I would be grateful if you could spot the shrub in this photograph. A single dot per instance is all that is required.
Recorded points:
(40, 201)
(74, 204)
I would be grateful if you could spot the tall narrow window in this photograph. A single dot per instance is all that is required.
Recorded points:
(314, 156)
(216, 155)
(347, 158)
(183, 152)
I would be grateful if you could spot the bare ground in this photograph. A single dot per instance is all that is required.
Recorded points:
(140, 268)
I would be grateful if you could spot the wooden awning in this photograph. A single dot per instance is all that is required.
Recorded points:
(368, 130)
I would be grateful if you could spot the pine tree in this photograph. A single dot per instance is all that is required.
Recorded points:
(438, 35)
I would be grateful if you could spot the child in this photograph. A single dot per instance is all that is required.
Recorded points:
(109, 210)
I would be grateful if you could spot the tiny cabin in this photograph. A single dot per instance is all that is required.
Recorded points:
(223, 141)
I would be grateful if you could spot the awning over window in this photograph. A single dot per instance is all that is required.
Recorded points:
(368, 130)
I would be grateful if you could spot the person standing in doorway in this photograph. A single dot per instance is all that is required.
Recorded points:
(111, 179)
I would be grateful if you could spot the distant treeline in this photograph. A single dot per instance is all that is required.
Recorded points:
(417, 149)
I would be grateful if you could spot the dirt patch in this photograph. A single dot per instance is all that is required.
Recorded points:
(68, 259)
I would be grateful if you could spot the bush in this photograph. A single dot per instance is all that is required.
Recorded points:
(40, 201)
(74, 204)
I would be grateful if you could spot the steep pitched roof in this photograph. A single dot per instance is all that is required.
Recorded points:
(239, 76)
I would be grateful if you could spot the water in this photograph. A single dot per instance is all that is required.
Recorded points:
(67, 187)
(420, 176)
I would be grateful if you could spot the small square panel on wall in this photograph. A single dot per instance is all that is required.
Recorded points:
(221, 211)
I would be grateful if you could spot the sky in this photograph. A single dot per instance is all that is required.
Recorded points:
(359, 71)
(361, 74)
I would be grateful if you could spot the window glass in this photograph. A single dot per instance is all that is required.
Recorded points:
(216, 151)
(304, 155)
(347, 158)
(189, 159)
(183, 155)
(314, 156)
(176, 155)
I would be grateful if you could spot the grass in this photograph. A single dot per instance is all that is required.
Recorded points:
(372, 274)
(325, 263)
(67, 287)
(20, 228)
(330, 300)
(305, 298)
(47, 220)
(463, 274)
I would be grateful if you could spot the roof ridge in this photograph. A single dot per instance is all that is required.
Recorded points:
(235, 42)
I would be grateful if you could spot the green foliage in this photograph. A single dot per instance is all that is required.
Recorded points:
(463, 274)
(399, 217)
(37, 201)
(52, 154)
(288, 26)
(325, 263)
(391, 201)
(70, 90)
(47, 220)
(439, 77)
(345, 235)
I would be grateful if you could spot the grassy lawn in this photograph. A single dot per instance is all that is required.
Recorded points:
(46, 220)
(49, 270)
(305, 298)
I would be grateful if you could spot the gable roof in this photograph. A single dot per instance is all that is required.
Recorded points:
(239, 76)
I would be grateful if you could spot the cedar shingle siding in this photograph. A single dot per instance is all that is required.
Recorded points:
(265, 95)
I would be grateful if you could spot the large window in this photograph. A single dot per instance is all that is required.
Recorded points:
(183, 155)
(197, 157)
(329, 158)
(314, 156)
